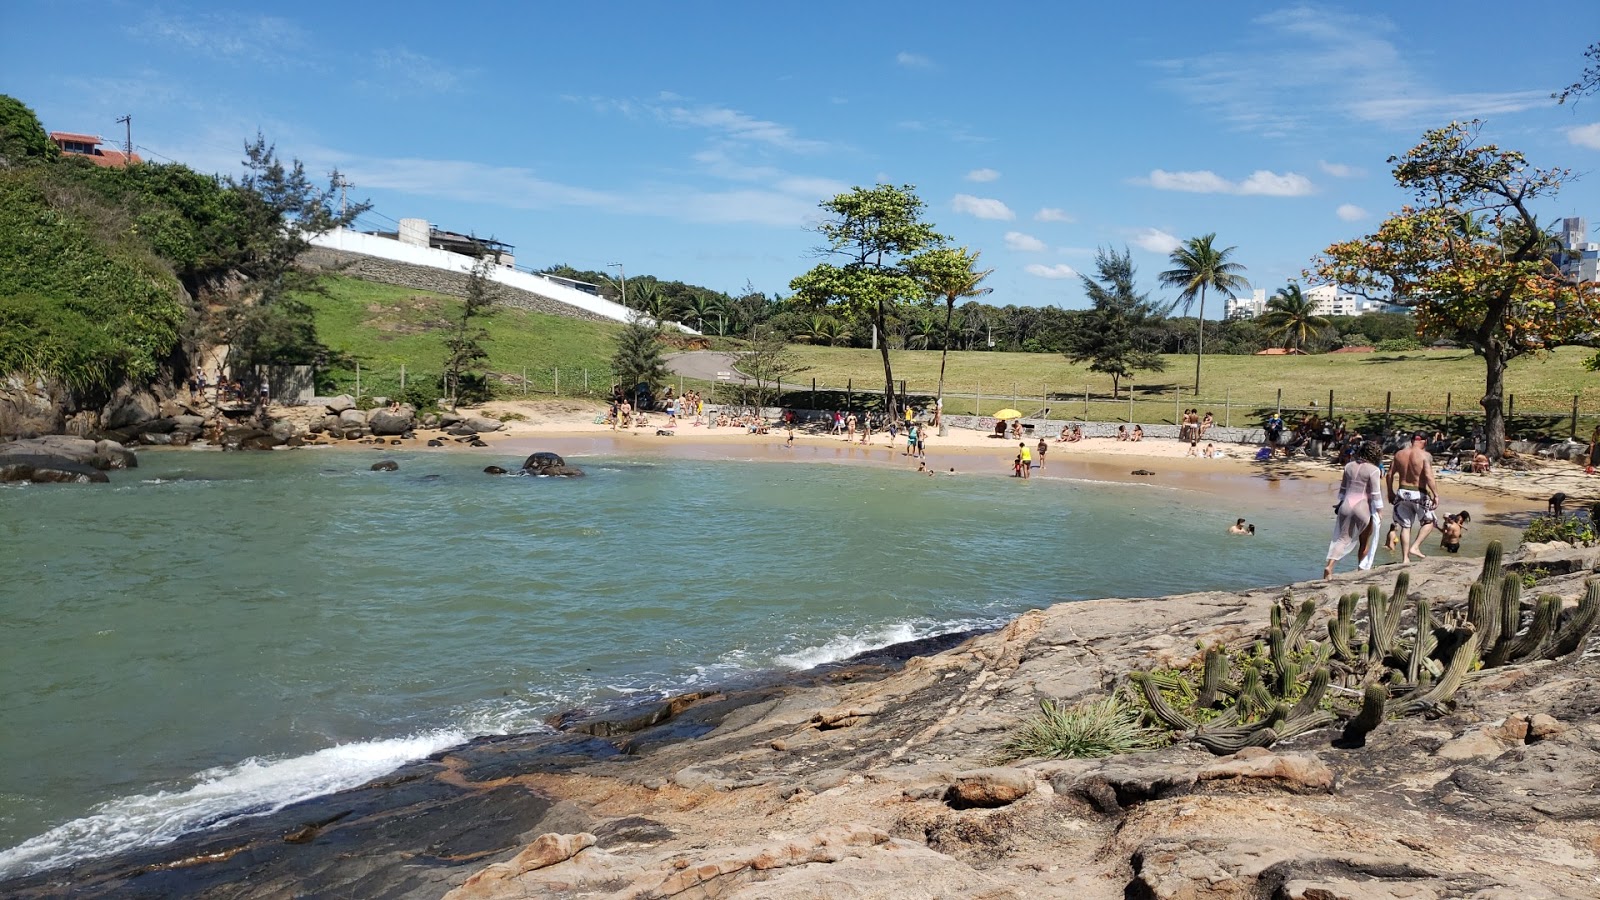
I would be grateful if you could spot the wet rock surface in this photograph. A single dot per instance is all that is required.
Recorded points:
(880, 779)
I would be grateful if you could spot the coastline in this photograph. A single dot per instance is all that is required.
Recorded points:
(1506, 496)
(855, 775)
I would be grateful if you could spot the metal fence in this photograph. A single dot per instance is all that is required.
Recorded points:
(1412, 410)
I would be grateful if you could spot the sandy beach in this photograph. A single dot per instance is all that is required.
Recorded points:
(1505, 496)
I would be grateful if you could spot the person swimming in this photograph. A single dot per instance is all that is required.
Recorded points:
(1450, 533)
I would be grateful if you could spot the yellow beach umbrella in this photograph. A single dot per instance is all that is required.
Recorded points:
(1008, 413)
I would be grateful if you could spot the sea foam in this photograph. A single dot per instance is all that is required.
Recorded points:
(254, 787)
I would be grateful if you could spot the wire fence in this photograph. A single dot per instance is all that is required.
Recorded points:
(1417, 409)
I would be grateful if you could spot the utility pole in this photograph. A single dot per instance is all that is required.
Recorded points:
(624, 275)
(342, 184)
(128, 144)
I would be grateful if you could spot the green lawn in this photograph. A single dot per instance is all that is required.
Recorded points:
(1234, 388)
(384, 327)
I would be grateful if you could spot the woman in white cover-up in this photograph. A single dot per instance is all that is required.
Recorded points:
(1360, 498)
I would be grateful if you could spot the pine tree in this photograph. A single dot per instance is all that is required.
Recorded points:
(466, 362)
(637, 360)
(1106, 339)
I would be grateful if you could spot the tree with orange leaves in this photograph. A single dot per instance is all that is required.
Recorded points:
(1470, 258)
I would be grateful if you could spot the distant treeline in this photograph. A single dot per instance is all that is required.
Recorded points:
(1027, 329)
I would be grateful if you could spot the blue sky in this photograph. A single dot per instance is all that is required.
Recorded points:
(694, 140)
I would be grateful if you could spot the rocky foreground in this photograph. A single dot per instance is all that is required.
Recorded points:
(879, 779)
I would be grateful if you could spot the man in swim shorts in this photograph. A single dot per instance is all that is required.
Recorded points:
(1413, 493)
(1451, 530)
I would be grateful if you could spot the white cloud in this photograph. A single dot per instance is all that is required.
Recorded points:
(1027, 243)
(1585, 136)
(265, 40)
(913, 60)
(406, 73)
(1060, 270)
(982, 207)
(736, 125)
(1308, 70)
(1260, 183)
(1340, 170)
(982, 175)
(1206, 182)
(1350, 212)
(1051, 214)
(1156, 241)
(1271, 184)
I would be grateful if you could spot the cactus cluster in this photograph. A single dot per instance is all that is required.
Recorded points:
(1285, 685)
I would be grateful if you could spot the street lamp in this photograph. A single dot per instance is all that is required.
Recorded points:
(624, 275)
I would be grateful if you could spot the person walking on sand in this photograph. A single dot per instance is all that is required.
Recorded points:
(1414, 493)
(1044, 447)
(849, 428)
(866, 429)
(1027, 458)
(1360, 498)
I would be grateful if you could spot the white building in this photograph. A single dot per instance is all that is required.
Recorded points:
(1579, 258)
(1246, 307)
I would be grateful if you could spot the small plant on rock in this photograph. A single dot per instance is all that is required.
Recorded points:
(1575, 531)
(1086, 730)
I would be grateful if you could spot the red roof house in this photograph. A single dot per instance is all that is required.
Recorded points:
(88, 147)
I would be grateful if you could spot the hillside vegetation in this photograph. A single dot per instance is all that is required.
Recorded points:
(383, 327)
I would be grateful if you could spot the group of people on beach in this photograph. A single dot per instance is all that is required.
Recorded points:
(1409, 487)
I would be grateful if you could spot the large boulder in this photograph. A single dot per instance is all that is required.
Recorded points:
(96, 454)
(353, 417)
(130, 407)
(242, 438)
(339, 404)
(549, 464)
(41, 469)
(29, 406)
(483, 423)
(388, 421)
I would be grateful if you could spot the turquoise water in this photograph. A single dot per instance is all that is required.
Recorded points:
(215, 633)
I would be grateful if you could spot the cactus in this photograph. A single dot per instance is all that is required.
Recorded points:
(1215, 673)
(1275, 616)
(1485, 617)
(1315, 690)
(1298, 725)
(1373, 706)
(1377, 615)
(1423, 645)
(1254, 734)
(1341, 628)
(1302, 621)
(1393, 608)
(1288, 675)
(1510, 622)
(1445, 688)
(1478, 609)
(1545, 613)
(1159, 707)
(1576, 630)
(1278, 648)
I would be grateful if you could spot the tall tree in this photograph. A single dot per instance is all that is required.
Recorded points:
(467, 355)
(1198, 266)
(1490, 285)
(638, 357)
(873, 232)
(279, 211)
(949, 274)
(768, 362)
(1106, 340)
(1292, 314)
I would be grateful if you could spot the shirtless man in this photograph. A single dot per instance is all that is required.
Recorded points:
(1413, 493)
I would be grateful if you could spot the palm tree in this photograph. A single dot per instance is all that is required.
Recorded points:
(822, 329)
(701, 307)
(952, 275)
(1197, 266)
(1293, 315)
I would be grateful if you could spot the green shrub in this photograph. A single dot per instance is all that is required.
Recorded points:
(1396, 345)
(1087, 730)
(1571, 530)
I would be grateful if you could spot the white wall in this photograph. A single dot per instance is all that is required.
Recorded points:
(387, 248)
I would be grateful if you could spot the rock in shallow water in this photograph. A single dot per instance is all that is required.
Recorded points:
(48, 470)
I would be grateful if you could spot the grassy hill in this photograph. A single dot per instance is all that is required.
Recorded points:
(383, 327)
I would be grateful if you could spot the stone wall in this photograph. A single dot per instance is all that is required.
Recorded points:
(424, 278)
